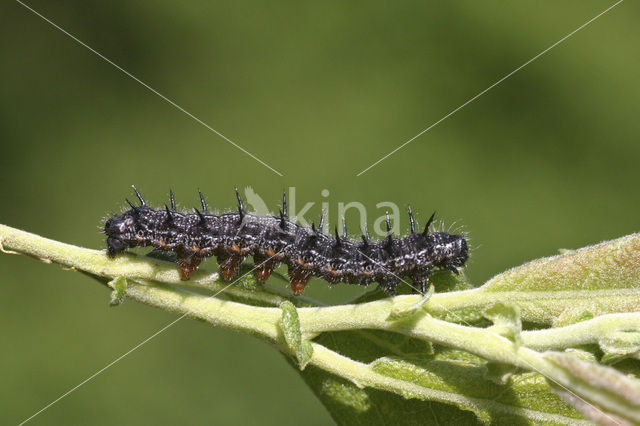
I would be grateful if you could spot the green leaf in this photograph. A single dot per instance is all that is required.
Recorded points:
(620, 344)
(444, 280)
(600, 393)
(500, 373)
(572, 316)
(290, 326)
(246, 278)
(580, 354)
(399, 313)
(119, 286)
(506, 321)
(595, 280)
(491, 402)
(612, 264)
(349, 404)
(460, 386)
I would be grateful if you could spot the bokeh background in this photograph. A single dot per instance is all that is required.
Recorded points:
(319, 91)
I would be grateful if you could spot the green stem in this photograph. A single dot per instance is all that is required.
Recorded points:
(263, 323)
(372, 315)
(363, 375)
(582, 333)
(132, 266)
(142, 275)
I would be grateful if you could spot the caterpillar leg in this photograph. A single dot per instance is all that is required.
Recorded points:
(229, 265)
(299, 279)
(264, 266)
(420, 278)
(188, 264)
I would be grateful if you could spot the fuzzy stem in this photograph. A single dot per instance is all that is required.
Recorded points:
(142, 275)
(372, 315)
(129, 265)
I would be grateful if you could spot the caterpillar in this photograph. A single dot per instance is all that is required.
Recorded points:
(272, 240)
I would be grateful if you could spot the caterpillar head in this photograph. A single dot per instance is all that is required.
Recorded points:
(121, 231)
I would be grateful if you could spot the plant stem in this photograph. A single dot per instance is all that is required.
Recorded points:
(372, 315)
(154, 282)
(129, 265)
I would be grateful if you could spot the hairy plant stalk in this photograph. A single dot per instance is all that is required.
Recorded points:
(158, 284)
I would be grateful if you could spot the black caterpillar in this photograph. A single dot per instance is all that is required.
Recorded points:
(272, 240)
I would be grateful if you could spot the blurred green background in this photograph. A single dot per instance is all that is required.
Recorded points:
(548, 159)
